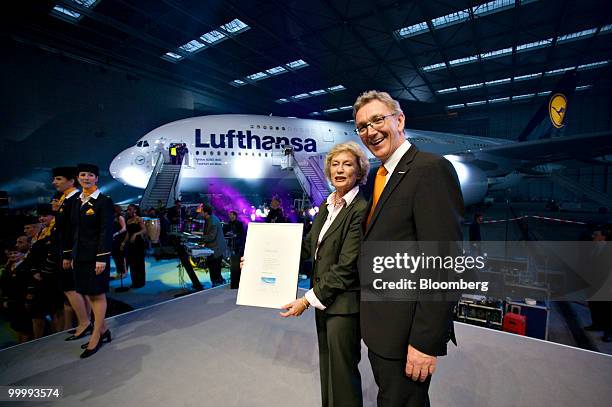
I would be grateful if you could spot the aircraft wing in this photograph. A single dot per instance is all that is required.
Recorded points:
(555, 149)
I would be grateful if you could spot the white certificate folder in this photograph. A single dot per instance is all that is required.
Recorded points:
(272, 261)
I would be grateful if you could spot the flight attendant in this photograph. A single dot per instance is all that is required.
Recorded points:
(65, 181)
(92, 220)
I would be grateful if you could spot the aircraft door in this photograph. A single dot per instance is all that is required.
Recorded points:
(325, 135)
(328, 136)
(179, 154)
(287, 159)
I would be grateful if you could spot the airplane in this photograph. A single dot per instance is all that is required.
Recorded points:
(244, 150)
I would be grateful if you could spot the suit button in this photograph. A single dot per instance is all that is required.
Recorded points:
(317, 279)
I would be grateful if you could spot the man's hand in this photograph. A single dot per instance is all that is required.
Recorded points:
(67, 264)
(100, 266)
(241, 263)
(419, 365)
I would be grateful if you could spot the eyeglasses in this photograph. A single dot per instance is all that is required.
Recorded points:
(377, 123)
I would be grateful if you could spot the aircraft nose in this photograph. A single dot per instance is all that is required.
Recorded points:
(116, 165)
(131, 167)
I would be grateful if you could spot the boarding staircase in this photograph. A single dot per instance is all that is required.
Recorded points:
(582, 190)
(163, 185)
(312, 179)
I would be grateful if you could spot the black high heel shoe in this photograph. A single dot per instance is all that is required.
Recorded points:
(88, 352)
(105, 338)
(83, 334)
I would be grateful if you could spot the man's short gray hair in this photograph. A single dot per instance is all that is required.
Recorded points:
(363, 165)
(370, 95)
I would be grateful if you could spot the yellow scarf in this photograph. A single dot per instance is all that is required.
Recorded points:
(46, 232)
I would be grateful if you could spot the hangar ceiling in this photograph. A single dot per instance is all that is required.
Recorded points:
(312, 58)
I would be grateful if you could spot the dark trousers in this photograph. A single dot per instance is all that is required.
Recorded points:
(136, 262)
(601, 315)
(394, 388)
(118, 256)
(235, 271)
(214, 268)
(339, 340)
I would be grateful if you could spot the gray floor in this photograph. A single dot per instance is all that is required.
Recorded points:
(203, 350)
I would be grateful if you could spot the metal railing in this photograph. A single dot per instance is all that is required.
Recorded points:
(310, 187)
(173, 193)
(159, 163)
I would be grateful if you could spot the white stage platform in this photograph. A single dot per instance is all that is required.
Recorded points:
(203, 350)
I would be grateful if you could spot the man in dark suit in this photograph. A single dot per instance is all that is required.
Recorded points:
(214, 239)
(176, 216)
(234, 231)
(416, 198)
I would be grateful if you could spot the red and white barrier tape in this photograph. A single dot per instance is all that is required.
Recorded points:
(574, 222)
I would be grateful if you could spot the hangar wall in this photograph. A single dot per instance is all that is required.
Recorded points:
(57, 111)
(49, 100)
(590, 111)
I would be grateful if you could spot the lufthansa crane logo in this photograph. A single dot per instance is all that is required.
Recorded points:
(140, 159)
(556, 109)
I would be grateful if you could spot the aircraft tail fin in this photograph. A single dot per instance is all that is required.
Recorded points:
(549, 120)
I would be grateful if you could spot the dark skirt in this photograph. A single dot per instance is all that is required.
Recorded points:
(87, 282)
(20, 319)
(48, 298)
(118, 254)
(67, 280)
(136, 262)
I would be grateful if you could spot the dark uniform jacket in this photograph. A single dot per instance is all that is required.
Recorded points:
(36, 258)
(92, 225)
(422, 201)
(63, 225)
(335, 278)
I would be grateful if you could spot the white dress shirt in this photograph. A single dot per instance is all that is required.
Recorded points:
(395, 158)
(85, 198)
(74, 191)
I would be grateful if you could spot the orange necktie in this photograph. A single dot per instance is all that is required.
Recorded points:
(379, 186)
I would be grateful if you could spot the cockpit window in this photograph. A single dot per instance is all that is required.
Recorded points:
(145, 144)
(139, 144)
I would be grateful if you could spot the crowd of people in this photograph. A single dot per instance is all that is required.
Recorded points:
(59, 268)
(179, 153)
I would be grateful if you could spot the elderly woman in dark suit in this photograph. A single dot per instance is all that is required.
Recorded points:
(333, 244)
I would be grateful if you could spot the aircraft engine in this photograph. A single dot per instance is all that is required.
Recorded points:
(473, 181)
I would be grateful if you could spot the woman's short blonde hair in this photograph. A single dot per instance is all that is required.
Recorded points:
(363, 166)
(370, 95)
